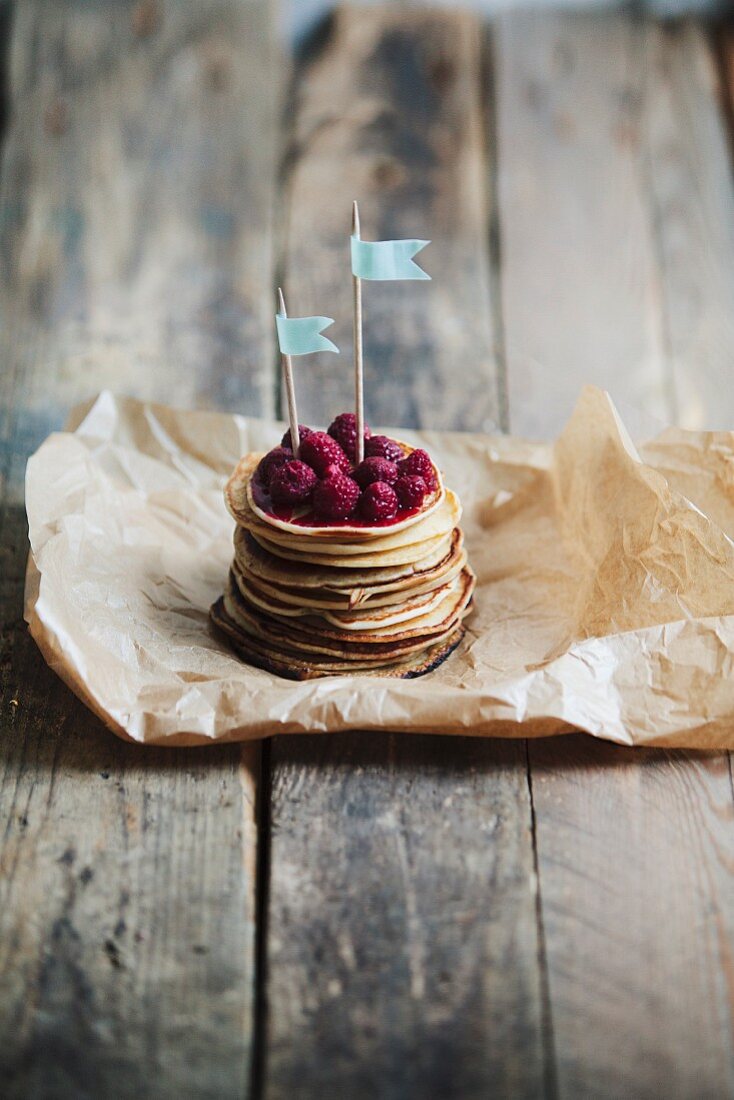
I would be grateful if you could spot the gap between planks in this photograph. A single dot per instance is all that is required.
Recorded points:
(106, 959)
(354, 817)
(603, 107)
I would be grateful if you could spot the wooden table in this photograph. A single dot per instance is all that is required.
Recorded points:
(358, 915)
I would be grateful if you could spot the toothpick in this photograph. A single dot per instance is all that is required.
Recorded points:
(358, 366)
(290, 391)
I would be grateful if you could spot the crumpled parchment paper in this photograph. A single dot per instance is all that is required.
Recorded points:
(605, 599)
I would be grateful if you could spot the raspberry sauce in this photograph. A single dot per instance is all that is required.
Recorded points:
(307, 518)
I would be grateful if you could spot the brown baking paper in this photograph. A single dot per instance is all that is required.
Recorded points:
(605, 598)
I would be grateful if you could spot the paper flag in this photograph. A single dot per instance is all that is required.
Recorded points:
(386, 259)
(302, 335)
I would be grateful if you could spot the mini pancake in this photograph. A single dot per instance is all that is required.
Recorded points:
(281, 663)
(367, 560)
(306, 600)
(430, 621)
(259, 630)
(301, 635)
(240, 500)
(317, 600)
(372, 618)
(438, 522)
(363, 657)
(338, 583)
(289, 573)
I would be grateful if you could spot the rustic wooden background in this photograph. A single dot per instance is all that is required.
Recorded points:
(299, 17)
(358, 915)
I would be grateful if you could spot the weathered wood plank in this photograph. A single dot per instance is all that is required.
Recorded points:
(126, 897)
(392, 118)
(636, 858)
(621, 137)
(634, 849)
(688, 169)
(580, 280)
(135, 214)
(402, 949)
(137, 192)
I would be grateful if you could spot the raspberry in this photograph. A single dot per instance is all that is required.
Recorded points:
(303, 431)
(332, 471)
(271, 462)
(292, 483)
(336, 496)
(380, 446)
(378, 501)
(419, 463)
(319, 450)
(375, 469)
(410, 491)
(344, 430)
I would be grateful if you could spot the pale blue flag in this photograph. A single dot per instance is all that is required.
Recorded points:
(386, 259)
(302, 335)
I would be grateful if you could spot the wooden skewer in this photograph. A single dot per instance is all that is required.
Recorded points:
(358, 365)
(290, 390)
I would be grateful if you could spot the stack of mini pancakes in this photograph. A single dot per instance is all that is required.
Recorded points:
(310, 601)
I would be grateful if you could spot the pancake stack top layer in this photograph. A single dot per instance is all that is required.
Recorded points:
(310, 596)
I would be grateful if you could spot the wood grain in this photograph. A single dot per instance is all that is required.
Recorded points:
(126, 904)
(436, 924)
(580, 278)
(636, 857)
(688, 159)
(402, 946)
(388, 112)
(634, 848)
(138, 191)
(617, 228)
(402, 941)
(134, 222)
